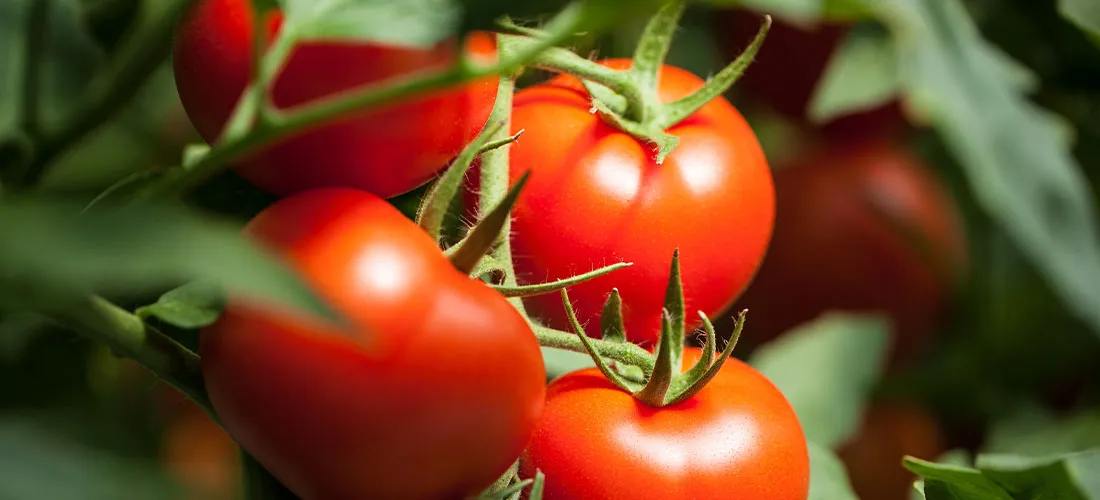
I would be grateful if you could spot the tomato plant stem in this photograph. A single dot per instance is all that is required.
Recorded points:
(623, 352)
(127, 335)
(282, 124)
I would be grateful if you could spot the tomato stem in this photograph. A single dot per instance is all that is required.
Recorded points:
(623, 352)
(650, 55)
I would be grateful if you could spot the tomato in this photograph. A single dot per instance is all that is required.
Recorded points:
(889, 432)
(860, 226)
(386, 151)
(789, 67)
(431, 393)
(199, 453)
(596, 196)
(737, 438)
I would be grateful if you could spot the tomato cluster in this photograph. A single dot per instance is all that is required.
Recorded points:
(432, 384)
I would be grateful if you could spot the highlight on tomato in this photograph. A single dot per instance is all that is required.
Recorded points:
(386, 151)
(430, 389)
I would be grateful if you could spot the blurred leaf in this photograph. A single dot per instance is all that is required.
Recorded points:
(38, 464)
(861, 75)
(828, 478)
(559, 362)
(944, 481)
(1085, 14)
(1036, 432)
(50, 247)
(1067, 477)
(194, 305)
(803, 11)
(17, 330)
(844, 353)
(1017, 161)
(413, 23)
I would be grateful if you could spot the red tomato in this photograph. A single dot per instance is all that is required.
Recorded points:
(431, 394)
(597, 196)
(789, 66)
(889, 433)
(737, 438)
(386, 151)
(832, 248)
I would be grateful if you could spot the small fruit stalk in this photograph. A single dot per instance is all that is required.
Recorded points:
(686, 423)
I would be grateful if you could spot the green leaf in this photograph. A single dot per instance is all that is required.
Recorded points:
(845, 353)
(194, 305)
(411, 23)
(1016, 159)
(1069, 477)
(861, 75)
(1036, 432)
(1083, 13)
(828, 478)
(559, 362)
(37, 464)
(944, 481)
(804, 11)
(132, 250)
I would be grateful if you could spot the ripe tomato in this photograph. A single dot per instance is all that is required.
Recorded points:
(789, 66)
(431, 393)
(597, 196)
(737, 438)
(890, 432)
(386, 151)
(833, 249)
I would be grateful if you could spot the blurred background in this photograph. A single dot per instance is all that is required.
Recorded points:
(937, 166)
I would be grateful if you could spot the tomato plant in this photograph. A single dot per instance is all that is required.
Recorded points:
(860, 226)
(598, 196)
(737, 438)
(437, 377)
(385, 151)
(889, 432)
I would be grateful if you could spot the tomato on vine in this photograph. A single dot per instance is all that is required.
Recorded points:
(861, 226)
(597, 195)
(431, 392)
(736, 438)
(386, 151)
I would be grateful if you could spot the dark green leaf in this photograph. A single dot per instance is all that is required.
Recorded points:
(135, 250)
(413, 23)
(828, 478)
(845, 354)
(194, 305)
(1014, 155)
(39, 464)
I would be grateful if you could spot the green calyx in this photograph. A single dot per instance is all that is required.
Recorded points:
(628, 99)
(661, 381)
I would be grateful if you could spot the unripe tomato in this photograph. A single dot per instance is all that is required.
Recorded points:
(863, 227)
(386, 151)
(597, 196)
(431, 392)
(737, 438)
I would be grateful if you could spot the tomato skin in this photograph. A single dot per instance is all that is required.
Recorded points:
(737, 438)
(596, 196)
(374, 411)
(386, 151)
(832, 250)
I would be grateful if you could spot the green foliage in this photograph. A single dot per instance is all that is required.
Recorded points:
(414, 23)
(828, 478)
(1069, 477)
(845, 354)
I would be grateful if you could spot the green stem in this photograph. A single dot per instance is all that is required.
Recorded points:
(623, 352)
(115, 85)
(37, 27)
(650, 55)
(129, 336)
(324, 110)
